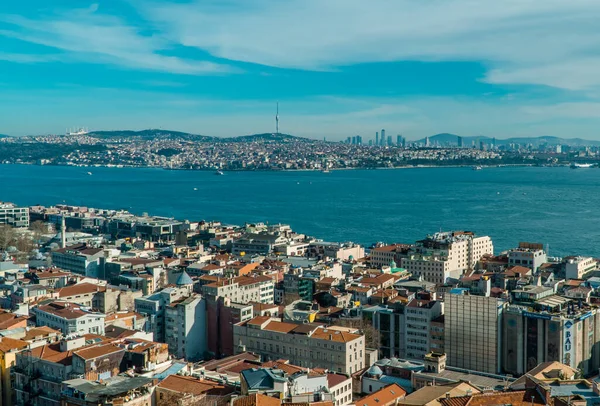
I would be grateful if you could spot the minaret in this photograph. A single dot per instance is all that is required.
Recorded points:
(277, 120)
(63, 232)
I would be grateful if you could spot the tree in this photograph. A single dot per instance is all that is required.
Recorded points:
(289, 298)
(372, 335)
(7, 236)
(38, 228)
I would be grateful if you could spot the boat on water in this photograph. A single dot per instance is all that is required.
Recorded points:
(325, 171)
(89, 173)
(477, 168)
(577, 166)
(219, 173)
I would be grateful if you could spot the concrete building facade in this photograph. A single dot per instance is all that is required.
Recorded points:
(473, 332)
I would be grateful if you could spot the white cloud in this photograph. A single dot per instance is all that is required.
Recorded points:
(524, 41)
(85, 35)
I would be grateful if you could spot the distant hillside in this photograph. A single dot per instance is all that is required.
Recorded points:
(168, 134)
(150, 134)
(4, 136)
(266, 137)
(446, 139)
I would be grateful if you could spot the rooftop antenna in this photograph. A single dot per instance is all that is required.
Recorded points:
(277, 120)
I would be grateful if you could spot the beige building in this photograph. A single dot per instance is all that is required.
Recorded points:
(242, 289)
(383, 256)
(473, 332)
(306, 345)
(577, 267)
(446, 255)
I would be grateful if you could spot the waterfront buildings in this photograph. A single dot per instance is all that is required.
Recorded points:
(13, 215)
(529, 255)
(578, 267)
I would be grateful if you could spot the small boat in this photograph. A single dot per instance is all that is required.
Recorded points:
(576, 166)
(477, 168)
(325, 171)
(219, 173)
(89, 173)
(195, 188)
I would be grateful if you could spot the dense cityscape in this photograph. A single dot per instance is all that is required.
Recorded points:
(173, 150)
(102, 306)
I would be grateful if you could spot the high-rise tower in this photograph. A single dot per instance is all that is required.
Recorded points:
(277, 120)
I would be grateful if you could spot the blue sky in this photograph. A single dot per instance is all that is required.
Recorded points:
(337, 67)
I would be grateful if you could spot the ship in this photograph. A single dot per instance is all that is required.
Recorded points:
(77, 131)
(477, 168)
(577, 166)
(219, 172)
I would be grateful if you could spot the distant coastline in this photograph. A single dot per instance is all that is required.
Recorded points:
(122, 166)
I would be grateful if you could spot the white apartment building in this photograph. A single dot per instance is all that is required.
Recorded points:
(153, 306)
(14, 216)
(69, 318)
(185, 328)
(529, 255)
(418, 315)
(446, 255)
(577, 267)
(242, 289)
(302, 344)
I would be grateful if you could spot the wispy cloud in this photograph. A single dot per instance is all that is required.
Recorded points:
(531, 41)
(89, 36)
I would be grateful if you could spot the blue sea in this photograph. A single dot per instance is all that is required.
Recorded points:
(554, 206)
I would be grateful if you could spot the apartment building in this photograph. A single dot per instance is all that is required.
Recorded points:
(530, 255)
(81, 259)
(446, 255)
(154, 306)
(385, 255)
(306, 345)
(419, 315)
(241, 289)
(578, 267)
(39, 373)
(473, 331)
(221, 315)
(405, 330)
(185, 328)
(344, 252)
(13, 215)
(82, 293)
(69, 318)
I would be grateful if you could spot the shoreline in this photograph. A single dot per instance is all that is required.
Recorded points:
(483, 166)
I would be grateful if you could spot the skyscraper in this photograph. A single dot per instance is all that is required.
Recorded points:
(460, 141)
(427, 144)
(382, 139)
(399, 140)
(277, 120)
(376, 137)
(389, 140)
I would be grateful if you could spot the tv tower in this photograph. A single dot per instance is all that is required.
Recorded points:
(277, 120)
